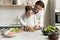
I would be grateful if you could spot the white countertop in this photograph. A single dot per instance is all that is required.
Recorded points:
(27, 36)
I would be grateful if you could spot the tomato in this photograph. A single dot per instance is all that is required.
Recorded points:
(11, 33)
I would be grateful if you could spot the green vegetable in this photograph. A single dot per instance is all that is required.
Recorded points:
(14, 29)
(50, 29)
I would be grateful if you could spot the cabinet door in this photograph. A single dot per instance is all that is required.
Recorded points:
(57, 4)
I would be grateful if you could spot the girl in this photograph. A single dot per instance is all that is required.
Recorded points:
(28, 19)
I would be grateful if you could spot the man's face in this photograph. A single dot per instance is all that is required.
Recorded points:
(37, 8)
(29, 13)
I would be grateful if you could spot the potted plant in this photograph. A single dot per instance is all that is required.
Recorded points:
(52, 32)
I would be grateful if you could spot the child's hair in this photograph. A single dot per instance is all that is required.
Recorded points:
(40, 3)
(27, 8)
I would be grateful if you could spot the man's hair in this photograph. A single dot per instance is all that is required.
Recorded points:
(27, 8)
(40, 3)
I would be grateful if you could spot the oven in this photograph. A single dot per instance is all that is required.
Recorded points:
(57, 17)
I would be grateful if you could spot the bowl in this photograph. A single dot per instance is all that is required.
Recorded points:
(7, 33)
(46, 34)
(53, 36)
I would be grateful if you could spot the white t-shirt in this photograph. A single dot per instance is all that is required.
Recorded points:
(31, 20)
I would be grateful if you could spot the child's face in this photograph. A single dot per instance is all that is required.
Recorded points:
(29, 13)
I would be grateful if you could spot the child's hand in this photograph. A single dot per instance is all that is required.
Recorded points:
(32, 30)
(29, 29)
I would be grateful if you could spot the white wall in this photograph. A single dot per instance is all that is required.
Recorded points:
(8, 14)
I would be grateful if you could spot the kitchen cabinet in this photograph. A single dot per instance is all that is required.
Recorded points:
(11, 26)
(57, 6)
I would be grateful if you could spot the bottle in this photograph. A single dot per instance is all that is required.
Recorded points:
(14, 2)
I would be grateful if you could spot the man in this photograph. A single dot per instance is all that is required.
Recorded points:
(38, 10)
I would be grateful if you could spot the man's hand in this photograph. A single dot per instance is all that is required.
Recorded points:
(36, 27)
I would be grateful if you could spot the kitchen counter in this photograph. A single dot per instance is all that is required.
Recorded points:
(27, 36)
(11, 26)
